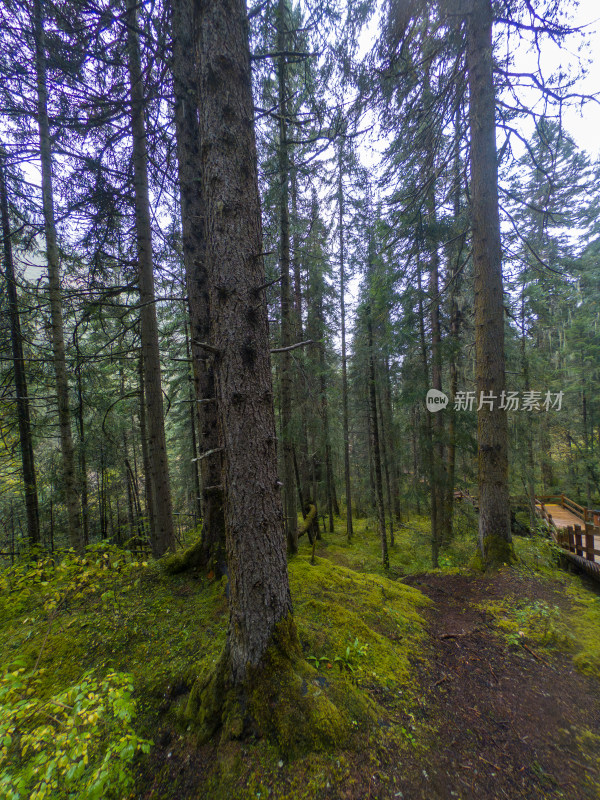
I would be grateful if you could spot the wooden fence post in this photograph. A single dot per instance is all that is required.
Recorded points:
(589, 541)
(578, 541)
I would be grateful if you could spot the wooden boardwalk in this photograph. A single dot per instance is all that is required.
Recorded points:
(574, 528)
(562, 517)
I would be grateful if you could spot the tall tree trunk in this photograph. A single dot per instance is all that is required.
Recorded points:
(527, 434)
(428, 432)
(56, 317)
(193, 420)
(194, 257)
(163, 535)
(300, 452)
(259, 594)
(85, 511)
(329, 488)
(345, 423)
(285, 369)
(437, 425)
(148, 487)
(455, 271)
(131, 511)
(296, 254)
(102, 495)
(415, 427)
(492, 430)
(393, 440)
(375, 446)
(386, 464)
(586, 443)
(373, 421)
(25, 438)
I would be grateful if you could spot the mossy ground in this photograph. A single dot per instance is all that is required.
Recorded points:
(566, 620)
(365, 653)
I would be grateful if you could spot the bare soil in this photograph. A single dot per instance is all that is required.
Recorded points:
(507, 719)
(491, 721)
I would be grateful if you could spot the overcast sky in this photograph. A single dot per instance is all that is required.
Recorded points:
(584, 123)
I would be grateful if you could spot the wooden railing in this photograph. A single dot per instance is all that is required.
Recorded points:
(547, 517)
(585, 514)
(577, 542)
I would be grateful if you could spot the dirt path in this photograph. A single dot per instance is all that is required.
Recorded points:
(509, 725)
(490, 721)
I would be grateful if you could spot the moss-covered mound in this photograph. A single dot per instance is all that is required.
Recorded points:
(351, 632)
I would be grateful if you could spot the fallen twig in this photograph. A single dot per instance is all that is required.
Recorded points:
(456, 635)
(535, 655)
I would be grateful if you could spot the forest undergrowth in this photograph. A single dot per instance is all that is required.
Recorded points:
(447, 683)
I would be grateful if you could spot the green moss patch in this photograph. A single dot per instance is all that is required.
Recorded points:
(370, 624)
(570, 622)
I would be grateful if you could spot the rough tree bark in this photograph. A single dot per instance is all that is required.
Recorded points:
(162, 532)
(212, 549)
(259, 596)
(492, 430)
(25, 438)
(257, 681)
(54, 291)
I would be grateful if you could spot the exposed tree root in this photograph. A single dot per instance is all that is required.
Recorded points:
(283, 699)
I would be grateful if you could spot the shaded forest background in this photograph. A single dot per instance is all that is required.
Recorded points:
(107, 436)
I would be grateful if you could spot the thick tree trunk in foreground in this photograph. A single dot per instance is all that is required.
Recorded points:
(261, 683)
(259, 595)
(212, 553)
(163, 535)
(492, 430)
(25, 439)
(58, 340)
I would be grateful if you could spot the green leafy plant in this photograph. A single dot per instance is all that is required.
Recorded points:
(345, 661)
(317, 661)
(78, 744)
(353, 651)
